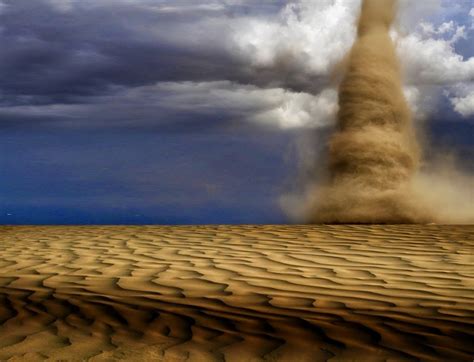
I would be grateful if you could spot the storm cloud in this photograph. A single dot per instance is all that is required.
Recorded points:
(108, 62)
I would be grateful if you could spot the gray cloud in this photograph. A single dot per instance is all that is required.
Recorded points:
(117, 61)
(164, 102)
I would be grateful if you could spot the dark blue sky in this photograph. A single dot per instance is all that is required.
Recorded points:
(142, 176)
(163, 113)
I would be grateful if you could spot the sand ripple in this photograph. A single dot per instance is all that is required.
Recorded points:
(237, 293)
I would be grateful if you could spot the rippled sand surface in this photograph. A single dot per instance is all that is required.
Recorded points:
(237, 293)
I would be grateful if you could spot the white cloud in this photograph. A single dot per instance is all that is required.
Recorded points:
(463, 99)
(450, 28)
(275, 107)
(422, 99)
(312, 35)
(428, 60)
(269, 106)
(464, 105)
(433, 61)
(412, 95)
(293, 110)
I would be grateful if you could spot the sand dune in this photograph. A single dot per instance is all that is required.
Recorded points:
(237, 293)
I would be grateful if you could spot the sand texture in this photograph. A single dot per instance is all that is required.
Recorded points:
(237, 293)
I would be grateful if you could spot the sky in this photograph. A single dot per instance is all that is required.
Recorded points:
(194, 112)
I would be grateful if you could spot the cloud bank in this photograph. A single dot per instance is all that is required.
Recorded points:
(271, 64)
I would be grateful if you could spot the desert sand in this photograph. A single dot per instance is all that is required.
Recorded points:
(237, 293)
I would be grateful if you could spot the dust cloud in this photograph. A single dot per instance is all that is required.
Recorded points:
(373, 161)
